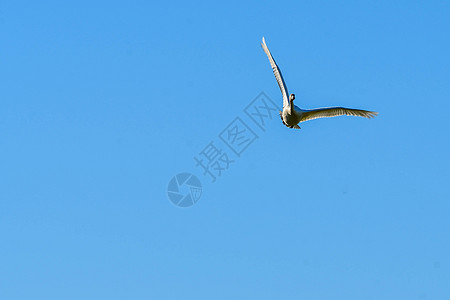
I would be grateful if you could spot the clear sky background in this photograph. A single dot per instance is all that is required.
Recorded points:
(102, 103)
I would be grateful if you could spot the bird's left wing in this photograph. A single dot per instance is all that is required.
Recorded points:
(277, 73)
(334, 112)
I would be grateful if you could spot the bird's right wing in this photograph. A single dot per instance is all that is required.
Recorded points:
(334, 112)
(277, 73)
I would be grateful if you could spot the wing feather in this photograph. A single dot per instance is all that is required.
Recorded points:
(277, 73)
(334, 112)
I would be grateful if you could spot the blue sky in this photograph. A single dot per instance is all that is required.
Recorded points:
(103, 103)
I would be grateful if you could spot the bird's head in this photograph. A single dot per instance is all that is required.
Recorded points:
(292, 97)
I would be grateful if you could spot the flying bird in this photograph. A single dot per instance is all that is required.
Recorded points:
(292, 114)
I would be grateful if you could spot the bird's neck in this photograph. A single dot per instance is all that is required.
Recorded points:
(291, 106)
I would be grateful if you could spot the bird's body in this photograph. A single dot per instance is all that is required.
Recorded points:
(291, 114)
(291, 119)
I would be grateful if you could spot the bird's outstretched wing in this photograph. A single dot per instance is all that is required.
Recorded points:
(277, 73)
(334, 112)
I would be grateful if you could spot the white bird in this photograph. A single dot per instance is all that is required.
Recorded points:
(292, 114)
